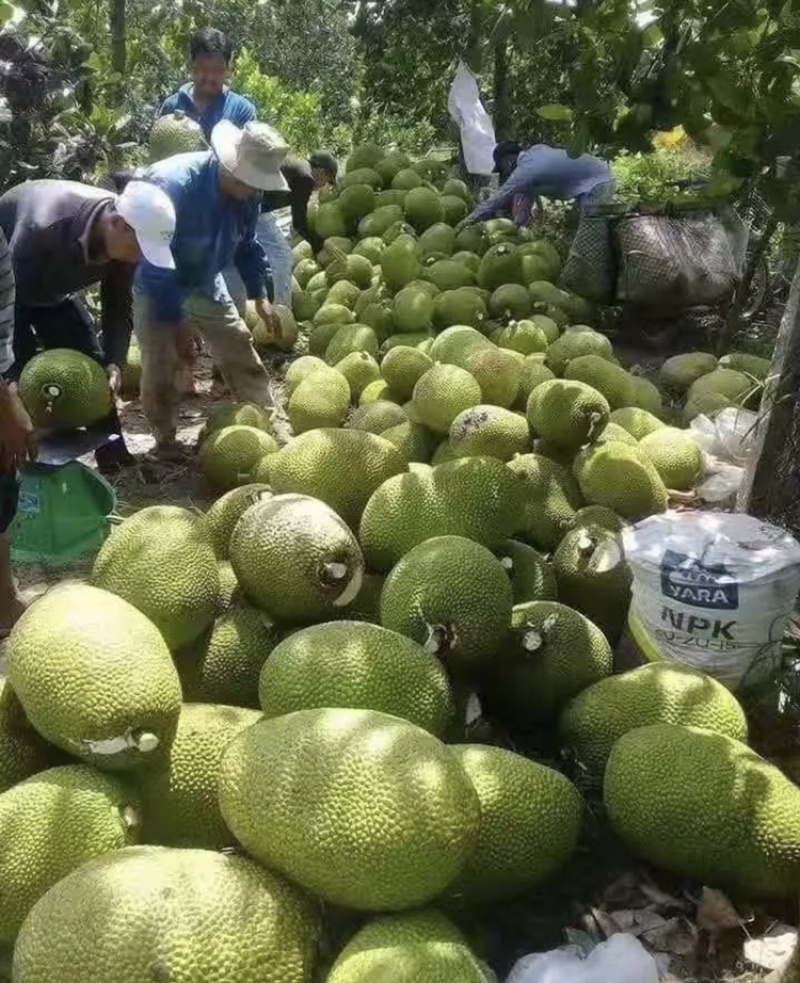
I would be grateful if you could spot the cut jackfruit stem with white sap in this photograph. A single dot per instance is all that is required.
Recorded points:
(441, 639)
(143, 741)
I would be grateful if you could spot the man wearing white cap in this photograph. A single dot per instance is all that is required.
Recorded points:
(63, 238)
(216, 195)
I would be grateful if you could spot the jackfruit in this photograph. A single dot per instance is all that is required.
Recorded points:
(397, 229)
(442, 393)
(412, 310)
(665, 789)
(377, 838)
(675, 455)
(497, 372)
(402, 368)
(567, 413)
(531, 576)
(339, 467)
(680, 371)
(180, 796)
(360, 369)
(423, 208)
(473, 262)
(752, 365)
(376, 223)
(223, 515)
(376, 392)
(552, 653)
(328, 221)
(659, 693)
(550, 499)
(23, 752)
(406, 179)
(447, 274)
(63, 389)
(364, 174)
(716, 391)
(510, 302)
(489, 431)
(124, 694)
(531, 817)
(622, 479)
(419, 947)
(371, 248)
(455, 209)
(646, 395)
(439, 238)
(613, 431)
(175, 133)
(473, 239)
(360, 666)
(224, 665)
(525, 337)
(500, 265)
(134, 912)
(454, 345)
(260, 473)
(573, 343)
(594, 577)
(458, 307)
(343, 292)
(333, 314)
(391, 164)
(228, 456)
(376, 417)
(414, 441)
(638, 422)
(613, 382)
(296, 559)
(321, 400)
(451, 595)
(52, 823)
(399, 263)
(533, 372)
(351, 338)
(355, 201)
(596, 515)
(366, 155)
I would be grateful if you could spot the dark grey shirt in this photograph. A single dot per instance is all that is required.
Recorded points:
(48, 226)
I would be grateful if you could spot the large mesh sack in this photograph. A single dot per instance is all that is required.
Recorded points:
(675, 261)
(591, 266)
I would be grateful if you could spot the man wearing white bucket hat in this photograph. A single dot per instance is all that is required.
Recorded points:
(216, 195)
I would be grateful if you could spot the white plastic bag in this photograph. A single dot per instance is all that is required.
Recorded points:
(622, 959)
(730, 435)
(712, 590)
(477, 130)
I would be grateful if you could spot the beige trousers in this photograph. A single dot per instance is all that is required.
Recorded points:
(229, 342)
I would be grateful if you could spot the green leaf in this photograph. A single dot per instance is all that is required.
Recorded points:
(555, 113)
(6, 12)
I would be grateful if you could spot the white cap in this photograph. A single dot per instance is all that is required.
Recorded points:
(253, 155)
(150, 213)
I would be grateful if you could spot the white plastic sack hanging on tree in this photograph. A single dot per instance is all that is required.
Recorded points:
(477, 130)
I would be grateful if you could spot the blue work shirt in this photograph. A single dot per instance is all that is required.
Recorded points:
(548, 172)
(228, 105)
(212, 232)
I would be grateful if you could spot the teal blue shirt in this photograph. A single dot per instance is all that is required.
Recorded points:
(229, 105)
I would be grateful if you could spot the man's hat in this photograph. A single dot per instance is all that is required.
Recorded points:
(149, 211)
(253, 155)
(507, 148)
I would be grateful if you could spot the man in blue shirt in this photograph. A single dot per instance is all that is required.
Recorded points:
(207, 99)
(542, 171)
(216, 196)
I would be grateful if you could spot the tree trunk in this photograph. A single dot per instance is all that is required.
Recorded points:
(771, 486)
(119, 47)
(502, 107)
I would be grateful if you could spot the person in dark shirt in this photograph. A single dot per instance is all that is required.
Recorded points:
(63, 238)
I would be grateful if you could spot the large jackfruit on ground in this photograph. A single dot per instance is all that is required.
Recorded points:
(402, 368)
(222, 516)
(228, 456)
(680, 371)
(419, 947)
(489, 431)
(360, 666)
(716, 391)
(95, 677)
(344, 813)
(321, 400)
(23, 752)
(453, 597)
(530, 820)
(574, 343)
(566, 413)
(339, 467)
(660, 693)
(675, 455)
(180, 797)
(51, 824)
(638, 422)
(296, 559)
(377, 416)
(622, 479)
(531, 576)
(703, 805)
(199, 914)
(442, 393)
(162, 561)
(550, 498)
(609, 379)
(552, 653)
(63, 389)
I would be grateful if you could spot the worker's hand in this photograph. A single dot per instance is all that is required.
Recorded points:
(185, 344)
(269, 316)
(114, 379)
(17, 437)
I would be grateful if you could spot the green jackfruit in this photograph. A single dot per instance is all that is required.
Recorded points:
(367, 155)
(447, 274)
(455, 209)
(222, 516)
(489, 431)
(63, 389)
(716, 391)
(676, 456)
(458, 307)
(414, 441)
(402, 368)
(510, 302)
(533, 372)
(439, 238)
(412, 310)
(351, 338)
(638, 422)
(525, 337)
(378, 416)
(175, 133)
(613, 431)
(442, 393)
(366, 174)
(577, 341)
(531, 576)
(356, 201)
(752, 365)
(360, 369)
(610, 380)
(500, 265)
(328, 221)
(228, 456)
(423, 208)
(647, 395)
(550, 499)
(622, 479)
(321, 400)
(597, 515)
(454, 345)
(23, 752)
(497, 372)
(567, 413)
(371, 248)
(376, 223)
(399, 263)
(680, 371)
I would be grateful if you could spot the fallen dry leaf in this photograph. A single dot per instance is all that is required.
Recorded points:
(715, 912)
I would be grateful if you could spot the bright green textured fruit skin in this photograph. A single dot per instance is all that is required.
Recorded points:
(174, 134)
(442, 393)
(363, 809)
(63, 389)
(531, 576)
(180, 797)
(530, 821)
(489, 431)
(622, 479)
(51, 824)
(189, 915)
(676, 457)
(23, 752)
(223, 515)
(567, 413)
(705, 806)
(228, 456)
(451, 595)
(419, 947)
(89, 669)
(660, 693)
(162, 561)
(357, 665)
(550, 500)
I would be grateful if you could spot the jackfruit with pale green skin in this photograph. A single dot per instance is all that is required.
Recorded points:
(489, 431)
(365, 174)
(321, 400)
(442, 393)
(523, 336)
(659, 693)
(594, 577)
(343, 292)
(360, 369)
(454, 345)
(676, 456)
(752, 365)
(647, 395)
(552, 653)
(23, 752)
(613, 431)
(680, 371)
(414, 441)
(575, 342)
(610, 380)
(354, 269)
(567, 413)
(332, 249)
(716, 391)
(533, 372)
(372, 248)
(447, 274)
(439, 238)
(333, 314)
(418, 947)
(348, 339)
(63, 389)
(622, 479)
(458, 307)
(451, 595)
(328, 221)
(531, 576)
(379, 221)
(596, 515)
(399, 263)
(666, 787)
(377, 417)
(423, 208)
(497, 372)
(550, 497)
(175, 133)
(638, 422)
(228, 456)
(222, 516)
(531, 818)
(500, 265)
(341, 468)
(402, 368)
(412, 310)
(356, 201)
(511, 301)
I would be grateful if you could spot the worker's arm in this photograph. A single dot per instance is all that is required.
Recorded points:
(301, 195)
(522, 182)
(252, 263)
(116, 312)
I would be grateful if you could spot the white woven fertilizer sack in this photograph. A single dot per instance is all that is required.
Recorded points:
(714, 591)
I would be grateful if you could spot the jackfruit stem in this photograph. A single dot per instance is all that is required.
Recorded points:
(145, 741)
(441, 639)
